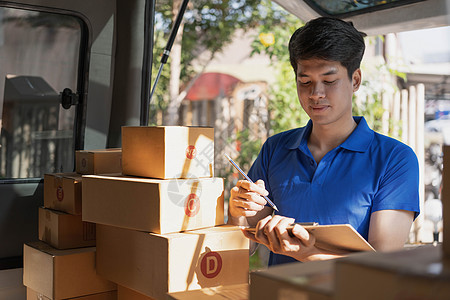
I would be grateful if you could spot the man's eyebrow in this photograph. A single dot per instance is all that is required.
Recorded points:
(330, 72)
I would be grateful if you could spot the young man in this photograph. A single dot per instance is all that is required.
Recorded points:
(335, 170)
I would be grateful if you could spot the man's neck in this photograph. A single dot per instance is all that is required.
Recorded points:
(325, 138)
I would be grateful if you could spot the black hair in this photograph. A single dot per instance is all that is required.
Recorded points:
(329, 39)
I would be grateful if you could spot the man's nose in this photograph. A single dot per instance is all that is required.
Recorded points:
(317, 91)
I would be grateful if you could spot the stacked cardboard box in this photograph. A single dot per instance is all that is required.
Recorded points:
(418, 273)
(311, 280)
(62, 274)
(160, 223)
(66, 250)
(33, 295)
(230, 292)
(60, 220)
(103, 161)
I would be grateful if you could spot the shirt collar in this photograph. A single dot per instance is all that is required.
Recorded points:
(296, 139)
(358, 141)
(361, 137)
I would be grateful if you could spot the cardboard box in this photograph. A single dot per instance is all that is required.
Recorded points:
(111, 295)
(62, 191)
(419, 273)
(168, 151)
(154, 264)
(124, 293)
(62, 274)
(153, 205)
(229, 292)
(102, 161)
(445, 198)
(64, 231)
(310, 280)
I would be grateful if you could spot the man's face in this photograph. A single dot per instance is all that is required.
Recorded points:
(325, 90)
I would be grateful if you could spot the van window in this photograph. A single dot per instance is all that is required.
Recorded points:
(346, 8)
(39, 58)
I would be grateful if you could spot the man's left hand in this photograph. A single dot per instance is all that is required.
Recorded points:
(272, 232)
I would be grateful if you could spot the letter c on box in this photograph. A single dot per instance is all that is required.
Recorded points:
(192, 205)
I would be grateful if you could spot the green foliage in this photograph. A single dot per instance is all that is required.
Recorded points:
(248, 147)
(371, 109)
(208, 25)
(377, 80)
(255, 262)
(284, 107)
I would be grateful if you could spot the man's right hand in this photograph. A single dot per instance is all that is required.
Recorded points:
(246, 198)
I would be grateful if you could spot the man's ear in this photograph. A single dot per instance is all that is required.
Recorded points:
(356, 79)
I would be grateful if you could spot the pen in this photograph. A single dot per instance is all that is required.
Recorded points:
(248, 178)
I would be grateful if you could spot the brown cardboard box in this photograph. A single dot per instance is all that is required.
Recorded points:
(310, 281)
(102, 161)
(419, 274)
(124, 293)
(154, 264)
(64, 231)
(168, 151)
(228, 292)
(62, 191)
(111, 295)
(62, 274)
(153, 205)
(445, 198)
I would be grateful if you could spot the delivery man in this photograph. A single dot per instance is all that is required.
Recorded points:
(335, 170)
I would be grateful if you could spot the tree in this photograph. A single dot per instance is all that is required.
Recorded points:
(285, 110)
(208, 25)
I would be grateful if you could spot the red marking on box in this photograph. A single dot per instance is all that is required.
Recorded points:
(60, 193)
(191, 152)
(211, 264)
(192, 205)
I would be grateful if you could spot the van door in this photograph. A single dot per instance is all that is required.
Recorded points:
(46, 53)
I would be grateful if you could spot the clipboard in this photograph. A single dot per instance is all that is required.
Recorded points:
(334, 237)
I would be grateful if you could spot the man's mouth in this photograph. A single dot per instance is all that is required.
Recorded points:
(319, 108)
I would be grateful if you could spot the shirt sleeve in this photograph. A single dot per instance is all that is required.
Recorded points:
(399, 186)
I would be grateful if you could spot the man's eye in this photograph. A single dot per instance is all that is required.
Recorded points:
(330, 82)
(304, 82)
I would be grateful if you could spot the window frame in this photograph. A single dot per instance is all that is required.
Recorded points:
(82, 78)
(312, 4)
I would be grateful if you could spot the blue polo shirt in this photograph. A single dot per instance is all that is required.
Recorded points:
(366, 173)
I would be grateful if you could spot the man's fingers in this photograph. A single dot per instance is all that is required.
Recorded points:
(281, 229)
(249, 205)
(271, 234)
(303, 235)
(249, 235)
(260, 183)
(248, 196)
(253, 187)
(260, 234)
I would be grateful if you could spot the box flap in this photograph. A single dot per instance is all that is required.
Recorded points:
(424, 261)
(74, 176)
